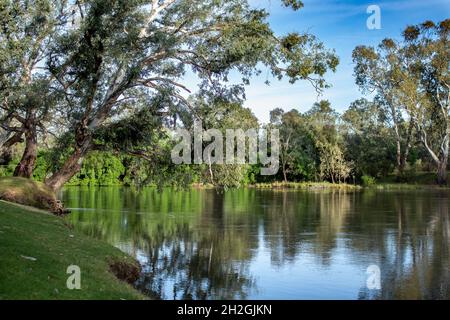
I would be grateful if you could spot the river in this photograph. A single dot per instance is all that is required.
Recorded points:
(265, 244)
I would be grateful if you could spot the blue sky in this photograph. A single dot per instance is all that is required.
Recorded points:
(341, 25)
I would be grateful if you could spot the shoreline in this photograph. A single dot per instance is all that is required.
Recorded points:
(304, 186)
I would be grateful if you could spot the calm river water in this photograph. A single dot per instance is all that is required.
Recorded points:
(264, 244)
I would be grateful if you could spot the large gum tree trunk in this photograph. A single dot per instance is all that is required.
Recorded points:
(403, 152)
(442, 171)
(443, 160)
(26, 165)
(285, 173)
(72, 165)
(67, 171)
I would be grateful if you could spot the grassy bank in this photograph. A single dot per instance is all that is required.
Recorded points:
(407, 186)
(306, 185)
(420, 180)
(36, 249)
(27, 192)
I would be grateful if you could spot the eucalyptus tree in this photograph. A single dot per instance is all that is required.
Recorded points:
(424, 88)
(325, 124)
(288, 124)
(299, 156)
(311, 142)
(376, 72)
(333, 165)
(369, 140)
(123, 47)
(412, 76)
(26, 31)
(324, 121)
(230, 131)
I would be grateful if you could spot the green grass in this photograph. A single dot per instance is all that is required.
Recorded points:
(27, 232)
(417, 181)
(305, 185)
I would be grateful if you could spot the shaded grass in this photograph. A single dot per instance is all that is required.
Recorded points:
(418, 180)
(26, 192)
(406, 186)
(306, 185)
(27, 234)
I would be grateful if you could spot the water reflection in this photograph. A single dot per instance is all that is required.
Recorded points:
(261, 244)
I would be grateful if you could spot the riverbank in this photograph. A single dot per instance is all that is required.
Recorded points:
(299, 186)
(306, 186)
(36, 249)
(417, 179)
(407, 186)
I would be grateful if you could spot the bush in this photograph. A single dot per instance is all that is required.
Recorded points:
(8, 170)
(368, 181)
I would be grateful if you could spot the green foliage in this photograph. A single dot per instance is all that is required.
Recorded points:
(163, 40)
(295, 4)
(222, 115)
(368, 138)
(111, 73)
(412, 80)
(28, 99)
(43, 166)
(8, 170)
(299, 156)
(333, 165)
(368, 181)
(100, 169)
(411, 172)
(102, 62)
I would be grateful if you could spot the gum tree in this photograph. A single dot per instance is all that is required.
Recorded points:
(424, 89)
(369, 140)
(412, 76)
(376, 72)
(298, 153)
(26, 30)
(121, 49)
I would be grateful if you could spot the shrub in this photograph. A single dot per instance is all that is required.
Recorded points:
(368, 181)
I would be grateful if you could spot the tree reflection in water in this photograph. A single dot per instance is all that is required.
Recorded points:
(203, 244)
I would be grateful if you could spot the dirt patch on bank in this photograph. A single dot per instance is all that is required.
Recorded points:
(125, 270)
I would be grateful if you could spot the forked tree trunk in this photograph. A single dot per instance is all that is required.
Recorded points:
(441, 159)
(26, 165)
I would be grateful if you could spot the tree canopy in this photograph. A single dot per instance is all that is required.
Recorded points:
(110, 79)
